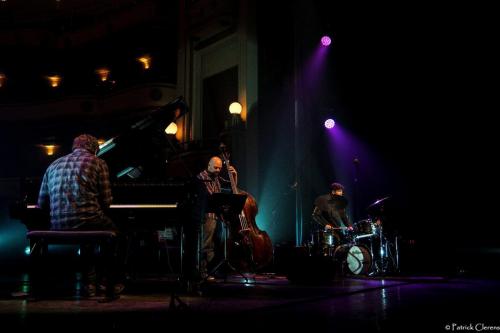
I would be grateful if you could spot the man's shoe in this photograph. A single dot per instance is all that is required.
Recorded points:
(117, 288)
(89, 290)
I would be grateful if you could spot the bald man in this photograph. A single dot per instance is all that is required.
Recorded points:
(211, 180)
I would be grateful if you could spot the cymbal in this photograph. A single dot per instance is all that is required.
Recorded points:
(378, 206)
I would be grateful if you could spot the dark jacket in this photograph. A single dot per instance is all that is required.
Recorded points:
(331, 209)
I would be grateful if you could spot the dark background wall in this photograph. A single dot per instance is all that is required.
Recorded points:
(410, 85)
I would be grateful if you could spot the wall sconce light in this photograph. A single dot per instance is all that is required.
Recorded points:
(145, 60)
(103, 74)
(3, 78)
(49, 149)
(171, 129)
(235, 108)
(54, 80)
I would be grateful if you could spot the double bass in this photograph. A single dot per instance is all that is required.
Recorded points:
(256, 249)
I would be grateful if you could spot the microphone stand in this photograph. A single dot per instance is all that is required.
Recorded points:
(356, 189)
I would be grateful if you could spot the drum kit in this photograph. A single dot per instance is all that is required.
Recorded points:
(366, 249)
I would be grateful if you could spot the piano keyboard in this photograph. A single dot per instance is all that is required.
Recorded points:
(139, 206)
(131, 206)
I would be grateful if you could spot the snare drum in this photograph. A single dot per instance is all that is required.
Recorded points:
(325, 241)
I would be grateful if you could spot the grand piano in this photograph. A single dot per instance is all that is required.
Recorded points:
(145, 195)
(151, 197)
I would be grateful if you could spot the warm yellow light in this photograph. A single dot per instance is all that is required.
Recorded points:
(49, 149)
(101, 141)
(171, 129)
(103, 74)
(3, 78)
(145, 61)
(54, 80)
(235, 108)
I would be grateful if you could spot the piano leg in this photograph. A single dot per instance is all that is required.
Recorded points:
(190, 249)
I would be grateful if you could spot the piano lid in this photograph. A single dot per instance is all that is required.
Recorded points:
(142, 150)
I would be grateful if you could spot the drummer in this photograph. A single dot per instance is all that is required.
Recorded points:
(329, 213)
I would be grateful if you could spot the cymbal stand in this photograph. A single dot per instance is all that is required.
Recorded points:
(386, 256)
(396, 247)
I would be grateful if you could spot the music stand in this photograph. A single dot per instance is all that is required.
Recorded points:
(226, 204)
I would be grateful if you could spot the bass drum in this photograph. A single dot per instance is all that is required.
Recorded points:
(353, 259)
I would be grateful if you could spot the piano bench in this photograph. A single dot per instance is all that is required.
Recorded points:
(45, 237)
(40, 239)
(70, 236)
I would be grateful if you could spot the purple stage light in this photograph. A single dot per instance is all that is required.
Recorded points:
(329, 123)
(325, 40)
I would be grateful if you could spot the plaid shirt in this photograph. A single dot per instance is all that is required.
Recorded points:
(76, 188)
(212, 185)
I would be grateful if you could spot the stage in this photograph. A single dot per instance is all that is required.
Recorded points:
(375, 304)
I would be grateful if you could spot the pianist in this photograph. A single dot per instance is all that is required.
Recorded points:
(76, 190)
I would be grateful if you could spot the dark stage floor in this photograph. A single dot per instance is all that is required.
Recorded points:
(268, 301)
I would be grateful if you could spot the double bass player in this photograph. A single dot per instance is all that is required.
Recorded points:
(253, 246)
(211, 182)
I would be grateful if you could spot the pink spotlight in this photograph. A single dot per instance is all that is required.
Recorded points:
(329, 123)
(325, 40)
